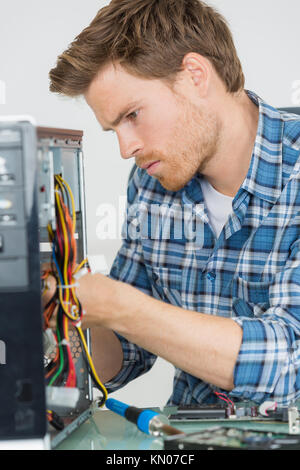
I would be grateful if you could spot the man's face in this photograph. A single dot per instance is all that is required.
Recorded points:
(155, 123)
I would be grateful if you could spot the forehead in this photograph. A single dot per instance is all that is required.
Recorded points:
(114, 88)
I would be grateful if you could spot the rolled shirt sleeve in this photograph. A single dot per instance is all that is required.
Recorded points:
(267, 367)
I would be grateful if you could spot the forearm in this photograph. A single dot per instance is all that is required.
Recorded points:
(205, 346)
(107, 353)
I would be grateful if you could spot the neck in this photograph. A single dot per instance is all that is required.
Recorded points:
(239, 121)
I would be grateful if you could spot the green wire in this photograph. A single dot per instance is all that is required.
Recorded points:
(61, 360)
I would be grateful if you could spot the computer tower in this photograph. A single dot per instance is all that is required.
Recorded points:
(60, 153)
(31, 157)
(22, 390)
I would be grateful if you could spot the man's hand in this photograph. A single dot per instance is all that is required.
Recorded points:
(97, 294)
(106, 347)
(49, 291)
(100, 298)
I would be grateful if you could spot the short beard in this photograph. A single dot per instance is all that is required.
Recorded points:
(202, 138)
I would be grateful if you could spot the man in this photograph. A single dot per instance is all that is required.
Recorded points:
(220, 301)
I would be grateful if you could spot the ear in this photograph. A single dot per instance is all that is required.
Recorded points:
(198, 69)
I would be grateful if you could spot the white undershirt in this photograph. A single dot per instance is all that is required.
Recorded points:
(218, 206)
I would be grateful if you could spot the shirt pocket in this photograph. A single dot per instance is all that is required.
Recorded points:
(249, 298)
(166, 283)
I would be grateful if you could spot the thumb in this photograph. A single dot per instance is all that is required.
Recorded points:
(50, 286)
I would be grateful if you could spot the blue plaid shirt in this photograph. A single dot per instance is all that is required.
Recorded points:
(250, 274)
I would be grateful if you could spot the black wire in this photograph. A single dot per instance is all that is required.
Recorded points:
(60, 256)
(66, 192)
(51, 300)
(62, 378)
(97, 385)
(102, 400)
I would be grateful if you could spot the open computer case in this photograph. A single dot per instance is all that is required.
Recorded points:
(31, 160)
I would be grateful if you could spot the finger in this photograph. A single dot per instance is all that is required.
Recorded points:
(85, 322)
(49, 290)
(46, 267)
(53, 320)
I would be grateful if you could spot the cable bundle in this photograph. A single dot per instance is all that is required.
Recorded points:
(222, 396)
(61, 370)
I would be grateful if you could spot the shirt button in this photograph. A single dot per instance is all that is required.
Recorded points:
(211, 276)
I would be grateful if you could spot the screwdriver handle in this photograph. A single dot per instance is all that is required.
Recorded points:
(142, 418)
(116, 406)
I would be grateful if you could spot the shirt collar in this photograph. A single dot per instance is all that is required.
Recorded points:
(264, 177)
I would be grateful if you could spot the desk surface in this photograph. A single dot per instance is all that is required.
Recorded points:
(105, 430)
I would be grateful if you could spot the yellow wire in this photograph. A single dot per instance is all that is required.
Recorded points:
(66, 251)
(60, 181)
(72, 200)
(50, 231)
(91, 363)
(66, 255)
(80, 265)
(66, 322)
(71, 317)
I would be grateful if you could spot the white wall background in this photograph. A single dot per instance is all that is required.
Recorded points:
(33, 33)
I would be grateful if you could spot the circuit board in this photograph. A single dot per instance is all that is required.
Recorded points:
(229, 438)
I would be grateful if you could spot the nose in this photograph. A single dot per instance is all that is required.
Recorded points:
(130, 145)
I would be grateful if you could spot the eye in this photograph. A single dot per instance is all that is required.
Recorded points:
(132, 116)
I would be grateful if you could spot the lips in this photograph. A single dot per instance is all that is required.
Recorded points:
(152, 168)
(147, 165)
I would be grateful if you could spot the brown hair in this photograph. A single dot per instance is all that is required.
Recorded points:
(149, 38)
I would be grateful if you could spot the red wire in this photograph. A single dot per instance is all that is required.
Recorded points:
(59, 240)
(71, 380)
(224, 397)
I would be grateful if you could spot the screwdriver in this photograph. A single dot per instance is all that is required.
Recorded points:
(147, 421)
